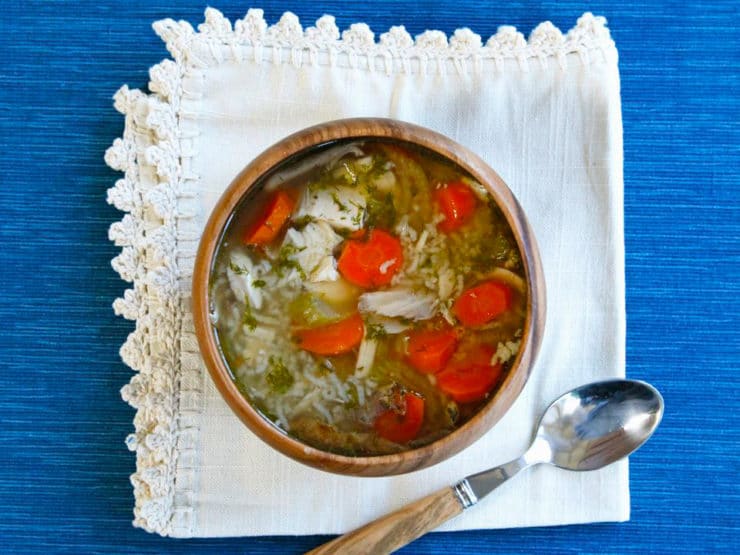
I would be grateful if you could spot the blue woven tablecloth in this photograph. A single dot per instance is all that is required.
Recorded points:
(64, 480)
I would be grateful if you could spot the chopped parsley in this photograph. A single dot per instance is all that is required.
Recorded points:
(239, 270)
(357, 218)
(369, 173)
(289, 250)
(279, 377)
(303, 221)
(375, 331)
(259, 283)
(340, 205)
(354, 400)
(248, 318)
(500, 248)
(284, 261)
(381, 212)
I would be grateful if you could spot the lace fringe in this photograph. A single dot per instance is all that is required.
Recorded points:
(157, 188)
(217, 40)
(148, 154)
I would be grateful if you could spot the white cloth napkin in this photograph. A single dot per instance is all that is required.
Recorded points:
(543, 112)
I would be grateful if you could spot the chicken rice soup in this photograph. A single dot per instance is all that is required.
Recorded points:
(368, 297)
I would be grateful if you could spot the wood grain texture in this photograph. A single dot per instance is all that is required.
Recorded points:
(509, 388)
(64, 485)
(393, 531)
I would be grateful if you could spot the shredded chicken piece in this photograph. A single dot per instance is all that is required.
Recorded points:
(242, 273)
(341, 207)
(402, 303)
(327, 158)
(315, 242)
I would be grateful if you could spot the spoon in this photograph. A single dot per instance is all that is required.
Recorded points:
(585, 429)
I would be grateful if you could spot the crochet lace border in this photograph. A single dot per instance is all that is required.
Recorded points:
(157, 188)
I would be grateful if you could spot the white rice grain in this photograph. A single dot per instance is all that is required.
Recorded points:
(321, 409)
(360, 394)
(314, 380)
(339, 387)
(282, 420)
(387, 264)
(398, 303)
(304, 403)
(422, 240)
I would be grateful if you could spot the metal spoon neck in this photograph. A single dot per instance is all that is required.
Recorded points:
(540, 451)
(472, 489)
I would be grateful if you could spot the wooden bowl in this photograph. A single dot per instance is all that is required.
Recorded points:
(496, 406)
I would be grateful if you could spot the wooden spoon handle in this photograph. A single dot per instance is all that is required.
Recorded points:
(395, 530)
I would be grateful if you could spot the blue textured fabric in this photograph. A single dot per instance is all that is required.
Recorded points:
(64, 467)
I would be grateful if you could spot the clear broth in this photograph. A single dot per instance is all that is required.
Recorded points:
(262, 296)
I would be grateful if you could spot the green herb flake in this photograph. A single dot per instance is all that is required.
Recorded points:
(354, 399)
(303, 221)
(375, 331)
(284, 261)
(500, 248)
(381, 164)
(357, 219)
(259, 283)
(239, 270)
(289, 250)
(248, 318)
(340, 205)
(381, 212)
(279, 377)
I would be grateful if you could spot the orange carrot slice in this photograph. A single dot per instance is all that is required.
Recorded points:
(429, 351)
(332, 339)
(471, 378)
(268, 226)
(402, 424)
(372, 262)
(456, 202)
(482, 303)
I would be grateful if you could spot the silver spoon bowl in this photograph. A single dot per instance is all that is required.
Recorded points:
(585, 429)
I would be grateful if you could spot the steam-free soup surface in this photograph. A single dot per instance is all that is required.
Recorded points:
(368, 297)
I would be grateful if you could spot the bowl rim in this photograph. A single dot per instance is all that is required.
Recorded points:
(494, 408)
